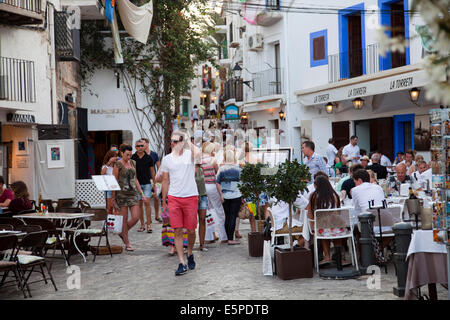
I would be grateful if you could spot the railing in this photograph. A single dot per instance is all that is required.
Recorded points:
(346, 65)
(17, 80)
(30, 5)
(268, 82)
(234, 89)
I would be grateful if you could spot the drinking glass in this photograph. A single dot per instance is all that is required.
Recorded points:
(54, 205)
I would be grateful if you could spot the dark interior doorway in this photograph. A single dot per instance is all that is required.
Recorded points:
(99, 143)
(355, 46)
(398, 58)
(341, 133)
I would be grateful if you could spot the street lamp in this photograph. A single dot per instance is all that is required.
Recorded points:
(237, 70)
(358, 103)
(282, 115)
(329, 107)
(414, 94)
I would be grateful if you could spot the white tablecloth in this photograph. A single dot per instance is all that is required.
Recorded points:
(422, 241)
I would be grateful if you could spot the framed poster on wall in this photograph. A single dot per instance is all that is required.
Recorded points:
(22, 147)
(55, 156)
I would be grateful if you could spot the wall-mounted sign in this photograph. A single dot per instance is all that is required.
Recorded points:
(109, 111)
(20, 118)
(231, 112)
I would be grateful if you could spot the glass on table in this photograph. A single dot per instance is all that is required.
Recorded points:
(54, 205)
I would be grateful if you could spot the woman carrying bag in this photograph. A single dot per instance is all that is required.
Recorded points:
(127, 197)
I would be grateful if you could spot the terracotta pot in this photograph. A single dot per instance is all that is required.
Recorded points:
(255, 244)
(293, 265)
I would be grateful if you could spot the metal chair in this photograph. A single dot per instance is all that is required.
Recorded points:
(6, 227)
(35, 242)
(9, 264)
(12, 221)
(29, 228)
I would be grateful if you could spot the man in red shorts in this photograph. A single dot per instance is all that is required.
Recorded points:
(180, 188)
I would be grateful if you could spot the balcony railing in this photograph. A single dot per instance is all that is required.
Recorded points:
(67, 40)
(17, 80)
(30, 5)
(346, 65)
(234, 89)
(268, 82)
(21, 12)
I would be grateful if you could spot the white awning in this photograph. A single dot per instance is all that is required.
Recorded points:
(263, 105)
(403, 78)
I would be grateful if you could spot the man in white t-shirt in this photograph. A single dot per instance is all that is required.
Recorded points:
(352, 150)
(365, 192)
(180, 188)
(331, 152)
(212, 109)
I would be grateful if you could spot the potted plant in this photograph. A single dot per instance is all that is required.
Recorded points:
(251, 186)
(290, 179)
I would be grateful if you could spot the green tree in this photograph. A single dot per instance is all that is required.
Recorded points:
(253, 184)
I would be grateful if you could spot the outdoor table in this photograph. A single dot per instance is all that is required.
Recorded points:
(427, 264)
(76, 219)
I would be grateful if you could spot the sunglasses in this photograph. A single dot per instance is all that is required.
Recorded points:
(139, 145)
(176, 141)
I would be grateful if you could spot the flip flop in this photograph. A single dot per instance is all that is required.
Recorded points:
(149, 230)
(141, 229)
(129, 249)
(324, 263)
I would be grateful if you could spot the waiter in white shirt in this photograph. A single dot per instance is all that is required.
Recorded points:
(331, 152)
(352, 150)
(422, 174)
(365, 192)
(385, 161)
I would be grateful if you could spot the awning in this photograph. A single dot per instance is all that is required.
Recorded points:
(263, 105)
(402, 78)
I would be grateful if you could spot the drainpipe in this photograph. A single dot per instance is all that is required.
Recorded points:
(288, 107)
(51, 20)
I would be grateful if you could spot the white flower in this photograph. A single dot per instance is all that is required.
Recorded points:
(383, 39)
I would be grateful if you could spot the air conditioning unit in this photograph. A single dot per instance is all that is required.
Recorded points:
(255, 42)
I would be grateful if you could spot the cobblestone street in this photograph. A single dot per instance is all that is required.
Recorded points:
(223, 272)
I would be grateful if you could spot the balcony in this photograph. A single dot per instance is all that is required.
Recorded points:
(67, 40)
(21, 12)
(268, 83)
(17, 80)
(270, 15)
(234, 89)
(346, 65)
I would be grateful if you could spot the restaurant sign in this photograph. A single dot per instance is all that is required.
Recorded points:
(231, 112)
(109, 111)
(373, 87)
(20, 118)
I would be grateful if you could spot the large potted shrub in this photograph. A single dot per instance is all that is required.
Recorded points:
(251, 186)
(285, 184)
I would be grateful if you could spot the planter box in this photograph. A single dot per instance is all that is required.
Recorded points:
(255, 244)
(293, 265)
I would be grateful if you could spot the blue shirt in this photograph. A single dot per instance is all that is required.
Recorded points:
(154, 157)
(228, 177)
(315, 164)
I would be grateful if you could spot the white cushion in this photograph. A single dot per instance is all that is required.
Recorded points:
(89, 231)
(26, 259)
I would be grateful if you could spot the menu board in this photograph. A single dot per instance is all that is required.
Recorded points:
(274, 157)
(106, 183)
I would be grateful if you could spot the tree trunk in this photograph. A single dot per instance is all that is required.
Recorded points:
(291, 242)
(167, 119)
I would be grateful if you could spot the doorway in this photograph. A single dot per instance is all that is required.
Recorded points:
(403, 132)
(355, 53)
(376, 134)
(398, 58)
(99, 142)
(341, 133)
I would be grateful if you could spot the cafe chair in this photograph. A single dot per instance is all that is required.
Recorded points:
(8, 248)
(65, 203)
(26, 211)
(29, 228)
(284, 232)
(15, 222)
(332, 224)
(83, 204)
(8, 227)
(389, 216)
(100, 215)
(34, 242)
(55, 240)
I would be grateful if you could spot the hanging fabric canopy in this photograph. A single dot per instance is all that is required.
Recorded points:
(136, 20)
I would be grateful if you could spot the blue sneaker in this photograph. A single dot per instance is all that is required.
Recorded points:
(182, 269)
(191, 262)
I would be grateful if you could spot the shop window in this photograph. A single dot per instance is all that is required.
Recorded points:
(318, 48)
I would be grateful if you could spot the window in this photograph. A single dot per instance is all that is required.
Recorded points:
(318, 48)
(273, 4)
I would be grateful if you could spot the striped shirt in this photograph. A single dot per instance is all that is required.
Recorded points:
(208, 170)
(315, 164)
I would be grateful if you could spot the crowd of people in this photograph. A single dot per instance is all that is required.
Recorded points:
(201, 174)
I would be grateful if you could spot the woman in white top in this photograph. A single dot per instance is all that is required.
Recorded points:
(107, 169)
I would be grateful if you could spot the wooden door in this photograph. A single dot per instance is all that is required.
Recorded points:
(398, 59)
(355, 46)
(341, 133)
(382, 136)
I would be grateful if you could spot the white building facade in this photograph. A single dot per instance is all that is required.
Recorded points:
(328, 53)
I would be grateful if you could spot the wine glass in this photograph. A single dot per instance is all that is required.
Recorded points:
(54, 205)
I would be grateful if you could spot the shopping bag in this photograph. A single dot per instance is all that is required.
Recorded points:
(114, 223)
(267, 259)
(209, 219)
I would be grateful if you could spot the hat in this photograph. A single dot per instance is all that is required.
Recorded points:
(365, 158)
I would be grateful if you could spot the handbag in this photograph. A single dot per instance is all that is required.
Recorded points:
(267, 233)
(114, 223)
(244, 212)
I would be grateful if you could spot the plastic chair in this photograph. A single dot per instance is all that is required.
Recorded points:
(35, 242)
(331, 224)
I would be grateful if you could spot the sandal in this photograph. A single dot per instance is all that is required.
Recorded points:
(325, 262)
(129, 249)
(149, 229)
(202, 248)
(141, 229)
